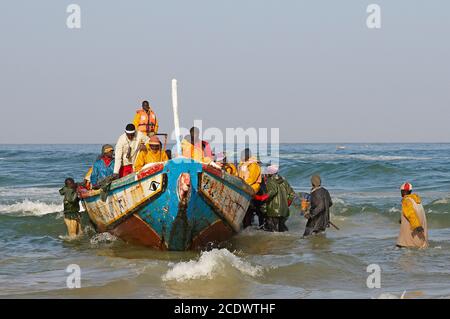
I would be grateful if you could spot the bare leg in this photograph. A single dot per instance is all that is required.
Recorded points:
(79, 228)
(72, 227)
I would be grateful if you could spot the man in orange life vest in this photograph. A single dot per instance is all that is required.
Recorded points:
(193, 147)
(145, 120)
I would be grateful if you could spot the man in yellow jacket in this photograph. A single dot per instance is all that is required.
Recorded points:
(193, 147)
(413, 228)
(145, 120)
(250, 170)
(221, 160)
(153, 154)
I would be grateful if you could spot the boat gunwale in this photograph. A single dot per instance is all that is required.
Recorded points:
(123, 182)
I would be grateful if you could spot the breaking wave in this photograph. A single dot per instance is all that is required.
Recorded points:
(210, 264)
(30, 192)
(30, 208)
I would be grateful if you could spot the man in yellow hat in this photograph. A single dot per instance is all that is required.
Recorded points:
(153, 154)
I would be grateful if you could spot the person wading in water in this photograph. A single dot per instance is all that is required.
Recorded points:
(413, 222)
(319, 213)
(72, 215)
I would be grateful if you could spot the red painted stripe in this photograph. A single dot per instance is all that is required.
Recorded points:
(212, 170)
(150, 171)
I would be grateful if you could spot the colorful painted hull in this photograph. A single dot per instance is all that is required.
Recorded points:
(177, 205)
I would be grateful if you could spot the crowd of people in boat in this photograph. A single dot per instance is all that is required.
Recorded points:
(140, 145)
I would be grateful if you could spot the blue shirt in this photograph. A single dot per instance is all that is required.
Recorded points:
(100, 171)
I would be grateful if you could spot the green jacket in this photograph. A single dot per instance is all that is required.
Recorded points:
(289, 190)
(71, 200)
(280, 193)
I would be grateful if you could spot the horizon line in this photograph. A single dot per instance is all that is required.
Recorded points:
(337, 143)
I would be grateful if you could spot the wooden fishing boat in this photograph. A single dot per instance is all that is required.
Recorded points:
(177, 205)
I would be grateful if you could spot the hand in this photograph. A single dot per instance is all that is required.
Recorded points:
(215, 165)
(142, 148)
(419, 232)
(307, 215)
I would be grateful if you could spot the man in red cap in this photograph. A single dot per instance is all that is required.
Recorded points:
(413, 228)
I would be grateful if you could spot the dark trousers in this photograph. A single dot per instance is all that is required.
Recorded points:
(315, 225)
(275, 224)
(253, 209)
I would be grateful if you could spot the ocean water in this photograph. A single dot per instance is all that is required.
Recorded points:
(364, 183)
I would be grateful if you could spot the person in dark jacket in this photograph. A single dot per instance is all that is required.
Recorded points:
(280, 196)
(72, 215)
(319, 213)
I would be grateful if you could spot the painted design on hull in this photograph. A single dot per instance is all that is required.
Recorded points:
(230, 203)
(122, 201)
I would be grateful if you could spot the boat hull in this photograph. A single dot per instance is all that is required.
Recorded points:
(157, 208)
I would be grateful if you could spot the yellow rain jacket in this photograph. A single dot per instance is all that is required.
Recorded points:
(250, 172)
(230, 169)
(148, 157)
(195, 152)
(409, 212)
(87, 177)
(413, 216)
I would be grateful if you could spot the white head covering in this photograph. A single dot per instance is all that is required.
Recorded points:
(272, 169)
(220, 157)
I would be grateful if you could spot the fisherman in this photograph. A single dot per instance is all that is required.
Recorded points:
(319, 213)
(193, 147)
(153, 154)
(127, 148)
(250, 171)
(72, 215)
(145, 120)
(103, 166)
(413, 228)
(222, 161)
(280, 196)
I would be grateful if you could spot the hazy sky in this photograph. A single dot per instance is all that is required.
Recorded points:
(311, 68)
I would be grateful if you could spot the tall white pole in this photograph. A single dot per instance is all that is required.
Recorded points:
(176, 119)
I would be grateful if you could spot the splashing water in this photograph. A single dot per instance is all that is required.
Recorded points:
(210, 264)
(102, 238)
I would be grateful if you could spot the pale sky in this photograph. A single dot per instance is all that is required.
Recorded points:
(311, 68)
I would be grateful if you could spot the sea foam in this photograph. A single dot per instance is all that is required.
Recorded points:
(30, 208)
(210, 264)
(102, 238)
